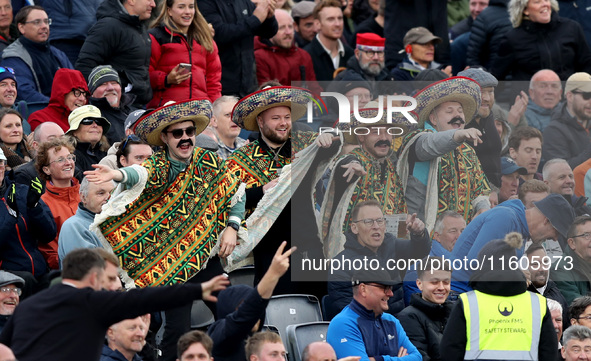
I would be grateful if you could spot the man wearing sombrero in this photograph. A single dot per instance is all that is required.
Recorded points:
(258, 164)
(165, 226)
(438, 170)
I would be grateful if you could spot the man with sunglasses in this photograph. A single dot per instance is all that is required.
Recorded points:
(567, 135)
(364, 328)
(368, 239)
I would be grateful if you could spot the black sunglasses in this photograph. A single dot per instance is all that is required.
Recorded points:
(585, 95)
(178, 133)
(89, 121)
(131, 137)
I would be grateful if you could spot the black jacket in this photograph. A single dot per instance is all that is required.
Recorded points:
(238, 310)
(489, 151)
(461, 27)
(86, 156)
(122, 41)
(340, 292)
(323, 66)
(235, 28)
(115, 116)
(559, 45)
(566, 138)
(423, 322)
(552, 292)
(486, 33)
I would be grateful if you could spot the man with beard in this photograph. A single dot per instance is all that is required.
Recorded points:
(437, 169)
(567, 135)
(279, 58)
(105, 93)
(369, 58)
(177, 204)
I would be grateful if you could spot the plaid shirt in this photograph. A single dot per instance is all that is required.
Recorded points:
(224, 151)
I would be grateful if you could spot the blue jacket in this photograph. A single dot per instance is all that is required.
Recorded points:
(490, 225)
(113, 355)
(537, 116)
(18, 243)
(15, 56)
(75, 233)
(70, 19)
(357, 332)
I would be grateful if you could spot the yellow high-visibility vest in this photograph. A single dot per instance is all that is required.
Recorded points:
(503, 328)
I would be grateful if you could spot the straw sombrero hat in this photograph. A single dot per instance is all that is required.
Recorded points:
(150, 125)
(245, 112)
(456, 89)
(371, 111)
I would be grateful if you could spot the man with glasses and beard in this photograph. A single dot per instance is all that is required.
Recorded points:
(166, 224)
(438, 170)
(369, 58)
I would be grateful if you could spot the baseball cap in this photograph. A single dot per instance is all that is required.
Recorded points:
(379, 276)
(558, 211)
(133, 117)
(7, 278)
(84, 112)
(508, 166)
(580, 82)
(420, 35)
(303, 9)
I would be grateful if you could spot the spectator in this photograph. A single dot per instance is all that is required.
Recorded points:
(326, 49)
(87, 128)
(110, 280)
(24, 173)
(578, 13)
(303, 22)
(234, 36)
(525, 148)
(241, 310)
(464, 26)
(368, 61)
(580, 173)
(365, 325)
(556, 311)
(7, 80)
(426, 317)
(195, 345)
(573, 275)
(10, 291)
(76, 306)
(561, 180)
(496, 284)
(265, 346)
(12, 139)
(567, 134)
(68, 92)
(8, 30)
(70, 24)
(180, 35)
(367, 240)
(226, 130)
(125, 339)
(75, 231)
(580, 310)
(131, 149)
(278, 58)
(509, 179)
(489, 151)
(443, 108)
(539, 270)
(105, 91)
(373, 24)
(119, 39)
(319, 351)
(577, 341)
(32, 58)
(547, 219)
(486, 33)
(56, 164)
(545, 92)
(539, 41)
(26, 221)
(532, 191)
(419, 46)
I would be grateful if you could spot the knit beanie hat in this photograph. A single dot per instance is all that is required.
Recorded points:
(7, 73)
(102, 74)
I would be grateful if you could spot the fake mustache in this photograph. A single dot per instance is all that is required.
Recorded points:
(379, 143)
(456, 119)
(187, 141)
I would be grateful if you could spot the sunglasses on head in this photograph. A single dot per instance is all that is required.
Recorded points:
(178, 133)
(131, 137)
(89, 121)
(585, 95)
(3, 70)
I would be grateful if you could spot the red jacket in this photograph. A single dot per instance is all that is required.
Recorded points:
(283, 65)
(63, 82)
(168, 52)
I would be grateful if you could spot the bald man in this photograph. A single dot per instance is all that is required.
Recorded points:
(545, 91)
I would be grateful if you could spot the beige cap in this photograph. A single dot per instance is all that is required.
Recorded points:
(84, 112)
(578, 82)
(420, 35)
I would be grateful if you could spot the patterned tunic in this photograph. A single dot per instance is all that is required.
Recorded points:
(166, 235)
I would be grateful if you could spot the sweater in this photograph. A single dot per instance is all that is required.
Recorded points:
(75, 233)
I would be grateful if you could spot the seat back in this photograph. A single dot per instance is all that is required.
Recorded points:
(300, 336)
(201, 315)
(285, 310)
(242, 276)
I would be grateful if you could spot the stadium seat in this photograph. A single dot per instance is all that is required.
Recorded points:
(300, 336)
(201, 315)
(242, 276)
(285, 310)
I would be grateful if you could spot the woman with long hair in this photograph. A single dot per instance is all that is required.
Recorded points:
(185, 63)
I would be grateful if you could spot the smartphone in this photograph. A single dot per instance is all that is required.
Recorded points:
(184, 67)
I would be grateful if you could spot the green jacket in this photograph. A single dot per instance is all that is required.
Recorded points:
(572, 276)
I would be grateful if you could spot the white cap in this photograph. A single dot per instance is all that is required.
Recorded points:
(2, 156)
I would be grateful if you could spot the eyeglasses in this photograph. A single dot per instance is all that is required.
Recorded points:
(384, 288)
(370, 221)
(61, 160)
(89, 121)
(586, 236)
(6, 69)
(588, 318)
(372, 53)
(39, 21)
(178, 133)
(78, 92)
(585, 95)
(131, 137)
(18, 291)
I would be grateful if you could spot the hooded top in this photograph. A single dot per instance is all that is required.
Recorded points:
(65, 80)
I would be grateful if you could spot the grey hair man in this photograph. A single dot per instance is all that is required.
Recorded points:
(226, 131)
(545, 92)
(577, 343)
